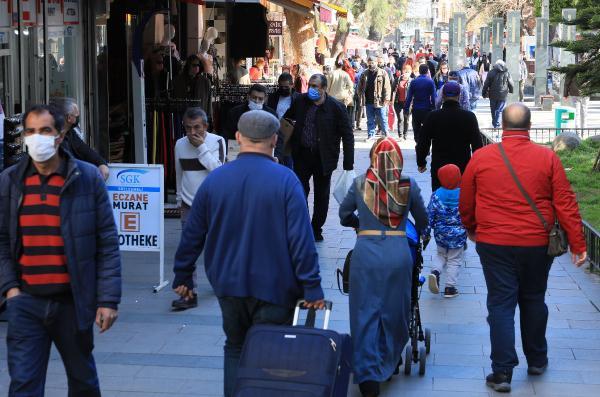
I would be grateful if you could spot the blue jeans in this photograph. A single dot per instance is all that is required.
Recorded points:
(239, 315)
(473, 103)
(496, 107)
(516, 275)
(34, 323)
(378, 115)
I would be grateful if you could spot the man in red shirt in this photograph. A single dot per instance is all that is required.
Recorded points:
(512, 241)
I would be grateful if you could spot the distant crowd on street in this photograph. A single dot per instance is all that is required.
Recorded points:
(60, 267)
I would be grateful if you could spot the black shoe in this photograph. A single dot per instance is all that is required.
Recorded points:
(369, 388)
(450, 292)
(531, 370)
(397, 370)
(499, 381)
(318, 236)
(183, 304)
(434, 282)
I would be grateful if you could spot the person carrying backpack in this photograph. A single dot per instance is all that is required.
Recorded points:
(497, 85)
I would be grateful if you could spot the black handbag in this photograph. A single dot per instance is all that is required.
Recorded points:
(557, 239)
(344, 274)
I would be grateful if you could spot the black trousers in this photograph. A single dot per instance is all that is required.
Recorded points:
(350, 110)
(516, 275)
(358, 110)
(418, 118)
(402, 119)
(308, 165)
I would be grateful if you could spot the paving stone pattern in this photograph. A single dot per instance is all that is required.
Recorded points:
(153, 352)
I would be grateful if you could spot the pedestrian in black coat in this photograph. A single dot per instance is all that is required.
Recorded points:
(257, 95)
(321, 123)
(452, 134)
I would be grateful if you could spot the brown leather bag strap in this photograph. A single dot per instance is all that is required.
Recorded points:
(521, 188)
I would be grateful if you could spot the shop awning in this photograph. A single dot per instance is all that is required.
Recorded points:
(341, 11)
(354, 42)
(298, 6)
(264, 3)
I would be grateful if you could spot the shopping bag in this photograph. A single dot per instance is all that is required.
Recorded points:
(342, 185)
(391, 118)
(287, 129)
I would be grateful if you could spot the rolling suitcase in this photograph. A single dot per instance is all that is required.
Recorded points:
(296, 361)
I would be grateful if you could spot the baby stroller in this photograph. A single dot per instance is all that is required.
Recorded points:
(415, 353)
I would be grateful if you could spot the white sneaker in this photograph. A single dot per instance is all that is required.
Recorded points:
(433, 280)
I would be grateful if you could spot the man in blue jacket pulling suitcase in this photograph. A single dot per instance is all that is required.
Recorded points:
(250, 218)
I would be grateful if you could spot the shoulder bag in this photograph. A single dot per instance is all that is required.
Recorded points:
(557, 239)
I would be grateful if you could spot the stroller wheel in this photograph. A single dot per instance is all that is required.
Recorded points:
(408, 360)
(422, 360)
(427, 340)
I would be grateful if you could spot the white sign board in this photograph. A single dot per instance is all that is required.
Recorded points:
(136, 194)
(71, 12)
(54, 13)
(28, 12)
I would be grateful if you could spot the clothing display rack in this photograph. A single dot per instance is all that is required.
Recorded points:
(164, 126)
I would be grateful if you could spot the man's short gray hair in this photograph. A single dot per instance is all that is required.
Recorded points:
(65, 105)
(195, 113)
(500, 62)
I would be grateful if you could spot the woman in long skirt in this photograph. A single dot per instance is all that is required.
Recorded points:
(381, 266)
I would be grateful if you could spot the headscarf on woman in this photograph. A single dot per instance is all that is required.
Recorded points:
(385, 194)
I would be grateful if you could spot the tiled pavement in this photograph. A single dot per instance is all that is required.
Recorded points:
(152, 351)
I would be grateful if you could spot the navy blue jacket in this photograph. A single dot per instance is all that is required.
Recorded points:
(250, 218)
(89, 233)
(421, 93)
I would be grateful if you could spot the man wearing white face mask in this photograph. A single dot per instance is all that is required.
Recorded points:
(60, 268)
(257, 95)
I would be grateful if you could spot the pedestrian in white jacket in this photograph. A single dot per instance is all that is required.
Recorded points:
(196, 155)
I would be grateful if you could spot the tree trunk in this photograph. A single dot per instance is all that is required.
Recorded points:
(341, 34)
(597, 163)
(302, 33)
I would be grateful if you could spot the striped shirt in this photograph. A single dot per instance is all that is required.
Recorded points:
(43, 263)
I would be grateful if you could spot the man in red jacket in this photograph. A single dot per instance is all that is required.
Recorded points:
(512, 242)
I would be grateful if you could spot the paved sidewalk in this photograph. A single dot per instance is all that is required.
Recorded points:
(153, 352)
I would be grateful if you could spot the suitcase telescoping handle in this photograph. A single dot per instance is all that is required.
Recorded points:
(312, 314)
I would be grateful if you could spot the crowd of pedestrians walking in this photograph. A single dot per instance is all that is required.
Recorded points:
(59, 253)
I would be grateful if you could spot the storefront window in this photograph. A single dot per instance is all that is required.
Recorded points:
(40, 52)
(63, 61)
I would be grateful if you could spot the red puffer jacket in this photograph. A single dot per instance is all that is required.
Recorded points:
(492, 206)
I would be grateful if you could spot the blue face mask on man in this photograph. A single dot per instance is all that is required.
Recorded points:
(314, 94)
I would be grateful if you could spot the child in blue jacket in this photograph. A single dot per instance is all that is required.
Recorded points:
(450, 235)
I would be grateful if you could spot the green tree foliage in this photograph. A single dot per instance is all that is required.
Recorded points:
(377, 17)
(587, 50)
(556, 7)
